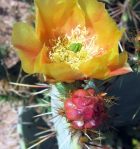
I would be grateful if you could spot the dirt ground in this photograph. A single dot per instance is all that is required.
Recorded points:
(11, 11)
(9, 138)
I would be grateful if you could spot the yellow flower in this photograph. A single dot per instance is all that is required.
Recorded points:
(72, 40)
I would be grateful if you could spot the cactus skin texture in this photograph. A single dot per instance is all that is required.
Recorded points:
(85, 109)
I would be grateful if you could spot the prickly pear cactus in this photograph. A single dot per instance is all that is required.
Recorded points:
(77, 112)
(76, 47)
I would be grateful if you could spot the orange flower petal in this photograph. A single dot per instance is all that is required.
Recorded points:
(100, 23)
(62, 72)
(56, 17)
(56, 71)
(41, 60)
(120, 62)
(120, 71)
(108, 35)
(100, 66)
(122, 58)
(95, 68)
(27, 45)
(122, 67)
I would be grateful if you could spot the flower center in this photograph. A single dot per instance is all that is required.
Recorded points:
(75, 49)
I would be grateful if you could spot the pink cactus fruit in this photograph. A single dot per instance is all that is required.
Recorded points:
(85, 110)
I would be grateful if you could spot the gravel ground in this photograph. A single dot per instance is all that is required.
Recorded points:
(11, 11)
(9, 138)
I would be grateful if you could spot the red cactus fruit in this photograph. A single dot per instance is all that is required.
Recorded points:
(85, 110)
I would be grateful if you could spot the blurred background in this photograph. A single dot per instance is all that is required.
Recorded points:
(125, 12)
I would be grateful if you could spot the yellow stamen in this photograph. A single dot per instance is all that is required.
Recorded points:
(61, 52)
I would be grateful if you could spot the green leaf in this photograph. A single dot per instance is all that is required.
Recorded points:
(75, 47)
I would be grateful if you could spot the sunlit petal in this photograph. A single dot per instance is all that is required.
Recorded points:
(56, 17)
(41, 60)
(73, 40)
(27, 45)
(100, 23)
(62, 72)
(95, 68)
(121, 67)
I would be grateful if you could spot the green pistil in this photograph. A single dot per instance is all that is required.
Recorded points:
(75, 47)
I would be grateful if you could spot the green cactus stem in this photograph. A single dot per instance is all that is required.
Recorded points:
(64, 137)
